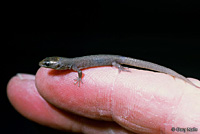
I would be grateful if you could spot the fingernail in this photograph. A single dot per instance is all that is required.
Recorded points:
(23, 76)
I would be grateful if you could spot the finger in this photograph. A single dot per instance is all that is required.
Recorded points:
(25, 98)
(141, 101)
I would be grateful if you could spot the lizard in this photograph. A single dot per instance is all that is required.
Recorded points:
(78, 63)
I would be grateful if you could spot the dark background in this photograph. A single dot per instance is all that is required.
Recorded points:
(162, 32)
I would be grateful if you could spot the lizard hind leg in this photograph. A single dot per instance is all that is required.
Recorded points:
(120, 67)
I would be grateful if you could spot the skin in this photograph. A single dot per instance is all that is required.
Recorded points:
(107, 102)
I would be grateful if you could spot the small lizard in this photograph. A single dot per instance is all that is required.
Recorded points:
(78, 63)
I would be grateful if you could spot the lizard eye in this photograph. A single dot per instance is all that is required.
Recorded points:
(47, 64)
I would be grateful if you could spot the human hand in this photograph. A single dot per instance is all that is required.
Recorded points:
(107, 102)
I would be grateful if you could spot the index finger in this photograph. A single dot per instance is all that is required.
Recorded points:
(141, 101)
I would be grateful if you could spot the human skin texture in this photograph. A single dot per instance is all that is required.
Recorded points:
(108, 101)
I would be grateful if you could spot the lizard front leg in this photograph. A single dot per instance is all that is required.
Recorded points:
(79, 78)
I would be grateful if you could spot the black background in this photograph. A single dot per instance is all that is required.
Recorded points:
(164, 32)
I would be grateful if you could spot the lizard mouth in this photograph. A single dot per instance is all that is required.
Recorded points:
(46, 63)
(42, 63)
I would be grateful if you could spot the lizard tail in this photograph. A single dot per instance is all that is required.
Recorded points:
(154, 67)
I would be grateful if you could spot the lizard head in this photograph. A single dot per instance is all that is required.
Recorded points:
(51, 62)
